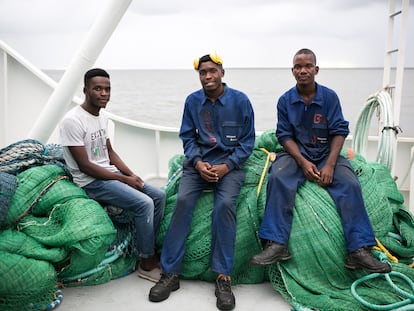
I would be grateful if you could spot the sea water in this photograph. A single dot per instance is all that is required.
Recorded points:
(157, 96)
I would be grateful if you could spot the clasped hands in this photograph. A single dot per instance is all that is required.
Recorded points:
(211, 173)
(135, 182)
(324, 177)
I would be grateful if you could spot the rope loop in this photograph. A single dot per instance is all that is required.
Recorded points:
(408, 297)
(381, 103)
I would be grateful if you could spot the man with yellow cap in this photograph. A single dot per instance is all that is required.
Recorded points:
(218, 136)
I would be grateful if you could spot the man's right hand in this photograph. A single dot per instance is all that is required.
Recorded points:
(204, 169)
(134, 181)
(310, 170)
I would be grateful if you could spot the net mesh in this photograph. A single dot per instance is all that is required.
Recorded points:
(26, 283)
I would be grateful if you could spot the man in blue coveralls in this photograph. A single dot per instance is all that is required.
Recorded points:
(312, 130)
(218, 136)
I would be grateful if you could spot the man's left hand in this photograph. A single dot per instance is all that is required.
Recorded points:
(326, 176)
(220, 170)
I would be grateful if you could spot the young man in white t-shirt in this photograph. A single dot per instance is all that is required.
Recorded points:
(97, 168)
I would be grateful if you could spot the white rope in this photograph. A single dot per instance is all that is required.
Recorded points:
(382, 103)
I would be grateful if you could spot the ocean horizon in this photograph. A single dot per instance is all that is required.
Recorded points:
(157, 96)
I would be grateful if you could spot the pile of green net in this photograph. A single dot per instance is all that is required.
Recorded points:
(315, 277)
(51, 234)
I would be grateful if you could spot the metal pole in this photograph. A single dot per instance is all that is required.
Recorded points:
(86, 56)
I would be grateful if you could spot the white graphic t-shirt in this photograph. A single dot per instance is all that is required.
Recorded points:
(80, 128)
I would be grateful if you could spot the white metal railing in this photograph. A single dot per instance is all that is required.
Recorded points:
(24, 91)
(146, 148)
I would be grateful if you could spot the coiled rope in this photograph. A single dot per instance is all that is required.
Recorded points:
(388, 135)
(27, 153)
(406, 304)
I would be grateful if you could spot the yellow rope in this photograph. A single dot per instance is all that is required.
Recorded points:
(271, 157)
(382, 248)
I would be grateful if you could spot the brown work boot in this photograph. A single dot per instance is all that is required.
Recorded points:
(363, 259)
(272, 253)
(149, 263)
(149, 269)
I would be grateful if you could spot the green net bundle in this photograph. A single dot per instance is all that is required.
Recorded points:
(80, 225)
(26, 283)
(32, 183)
(16, 242)
(315, 278)
(51, 233)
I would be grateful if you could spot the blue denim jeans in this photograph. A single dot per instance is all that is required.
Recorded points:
(147, 207)
(223, 220)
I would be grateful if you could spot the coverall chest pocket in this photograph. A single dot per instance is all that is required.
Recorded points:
(320, 133)
(231, 132)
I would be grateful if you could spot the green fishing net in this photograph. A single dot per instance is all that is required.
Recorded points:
(315, 278)
(19, 243)
(80, 225)
(26, 283)
(52, 235)
(31, 185)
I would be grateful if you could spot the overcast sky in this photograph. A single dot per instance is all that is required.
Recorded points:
(171, 33)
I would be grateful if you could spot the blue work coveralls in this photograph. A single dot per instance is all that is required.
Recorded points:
(219, 132)
(312, 127)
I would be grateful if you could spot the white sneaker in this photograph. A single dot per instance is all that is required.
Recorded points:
(153, 275)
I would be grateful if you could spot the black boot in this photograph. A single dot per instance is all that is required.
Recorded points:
(273, 252)
(363, 259)
(168, 283)
(225, 297)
